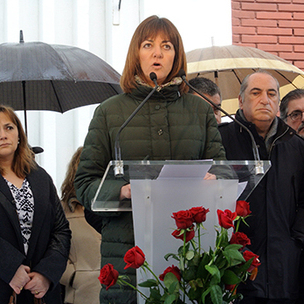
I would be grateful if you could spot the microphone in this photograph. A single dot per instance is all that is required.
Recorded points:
(118, 164)
(256, 155)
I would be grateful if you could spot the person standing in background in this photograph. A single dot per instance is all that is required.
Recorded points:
(276, 225)
(34, 232)
(208, 88)
(292, 109)
(81, 275)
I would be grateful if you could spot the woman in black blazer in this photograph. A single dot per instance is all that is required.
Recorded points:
(34, 233)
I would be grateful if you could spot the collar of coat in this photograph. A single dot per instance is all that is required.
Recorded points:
(277, 128)
(167, 94)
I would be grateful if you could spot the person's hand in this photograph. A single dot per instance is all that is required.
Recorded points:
(38, 285)
(210, 176)
(20, 278)
(125, 192)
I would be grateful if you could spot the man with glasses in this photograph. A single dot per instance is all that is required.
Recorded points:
(276, 224)
(292, 109)
(208, 88)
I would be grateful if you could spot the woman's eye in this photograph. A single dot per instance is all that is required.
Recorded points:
(146, 45)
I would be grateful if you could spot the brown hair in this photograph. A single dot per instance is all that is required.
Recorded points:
(67, 187)
(149, 28)
(24, 158)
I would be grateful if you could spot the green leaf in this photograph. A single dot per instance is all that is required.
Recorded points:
(230, 278)
(189, 273)
(202, 272)
(169, 279)
(234, 257)
(204, 295)
(216, 294)
(222, 238)
(149, 283)
(172, 255)
(174, 288)
(243, 267)
(170, 299)
(212, 269)
(190, 255)
(215, 273)
(155, 294)
(233, 247)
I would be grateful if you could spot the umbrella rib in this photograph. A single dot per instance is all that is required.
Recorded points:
(56, 96)
(237, 77)
(286, 79)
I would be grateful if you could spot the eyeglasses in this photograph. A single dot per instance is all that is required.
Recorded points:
(296, 115)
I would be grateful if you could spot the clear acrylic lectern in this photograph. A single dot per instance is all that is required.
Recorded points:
(160, 188)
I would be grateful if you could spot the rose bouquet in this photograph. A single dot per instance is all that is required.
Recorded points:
(201, 276)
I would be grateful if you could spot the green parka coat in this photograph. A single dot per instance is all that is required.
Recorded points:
(168, 127)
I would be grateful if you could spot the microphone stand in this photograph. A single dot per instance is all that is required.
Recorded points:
(118, 164)
(259, 168)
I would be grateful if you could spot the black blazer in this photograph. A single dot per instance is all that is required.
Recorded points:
(49, 243)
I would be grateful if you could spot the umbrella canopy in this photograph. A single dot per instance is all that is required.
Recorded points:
(227, 66)
(39, 76)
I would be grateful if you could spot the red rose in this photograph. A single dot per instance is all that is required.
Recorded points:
(226, 218)
(180, 235)
(134, 258)
(108, 275)
(242, 208)
(183, 219)
(175, 270)
(247, 255)
(240, 238)
(199, 214)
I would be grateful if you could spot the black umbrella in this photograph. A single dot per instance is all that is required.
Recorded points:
(40, 76)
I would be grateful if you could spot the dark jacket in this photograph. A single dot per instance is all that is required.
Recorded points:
(276, 227)
(169, 126)
(49, 243)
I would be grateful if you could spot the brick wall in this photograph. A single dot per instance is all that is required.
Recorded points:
(274, 26)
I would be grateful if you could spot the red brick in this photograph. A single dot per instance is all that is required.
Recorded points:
(243, 30)
(255, 22)
(298, 32)
(292, 56)
(236, 39)
(299, 48)
(258, 7)
(275, 47)
(298, 16)
(291, 7)
(299, 64)
(236, 21)
(259, 39)
(236, 5)
(298, 1)
(243, 0)
(291, 40)
(276, 16)
(274, 1)
(274, 31)
(242, 14)
(291, 24)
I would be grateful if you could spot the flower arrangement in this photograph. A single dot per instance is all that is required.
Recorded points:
(202, 277)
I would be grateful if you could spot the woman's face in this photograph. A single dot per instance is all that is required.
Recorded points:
(156, 55)
(8, 138)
